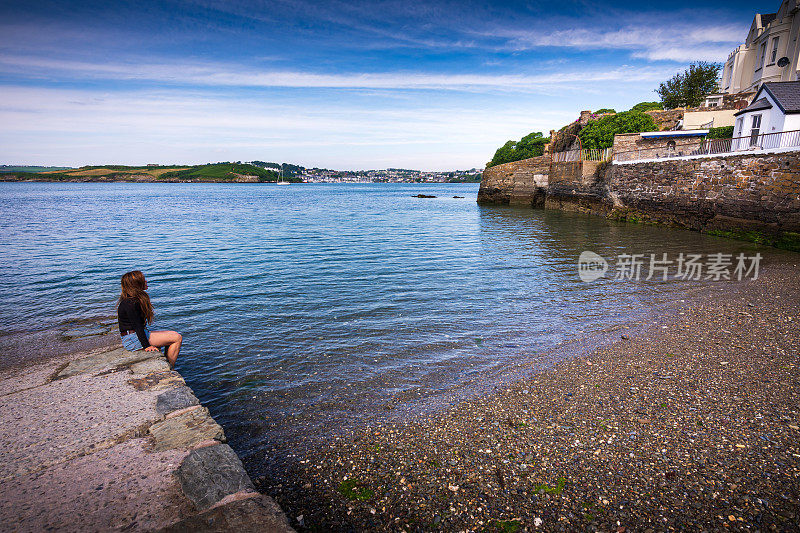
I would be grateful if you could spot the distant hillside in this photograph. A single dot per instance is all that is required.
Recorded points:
(15, 168)
(220, 172)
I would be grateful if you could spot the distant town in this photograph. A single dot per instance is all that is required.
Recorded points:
(389, 175)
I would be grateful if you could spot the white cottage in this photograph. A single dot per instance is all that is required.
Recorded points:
(772, 120)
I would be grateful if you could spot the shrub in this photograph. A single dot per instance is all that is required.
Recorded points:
(600, 133)
(605, 110)
(532, 145)
(647, 106)
(725, 132)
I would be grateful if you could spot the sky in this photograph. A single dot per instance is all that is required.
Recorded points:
(371, 84)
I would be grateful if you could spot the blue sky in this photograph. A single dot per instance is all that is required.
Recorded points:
(346, 85)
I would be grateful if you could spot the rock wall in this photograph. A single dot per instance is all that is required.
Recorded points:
(668, 119)
(516, 183)
(754, 197)
(737, 195)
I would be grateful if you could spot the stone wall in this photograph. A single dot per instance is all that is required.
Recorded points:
(755, 197)
(628, 146)
(757, 194)
(516, 183)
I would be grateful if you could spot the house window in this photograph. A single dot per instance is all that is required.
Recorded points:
(739, 122)
(755, 130)
(774, 55)
(762, 52)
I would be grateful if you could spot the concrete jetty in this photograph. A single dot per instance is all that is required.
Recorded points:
(114, 440)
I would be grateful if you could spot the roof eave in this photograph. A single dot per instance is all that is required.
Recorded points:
(774, 98)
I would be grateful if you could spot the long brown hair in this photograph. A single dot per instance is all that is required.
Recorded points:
(133, 286)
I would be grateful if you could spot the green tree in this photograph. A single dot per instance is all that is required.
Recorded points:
(690, 87)
(532, 145)
(600, 133)
(605, 110)
(725, 132)
(647, 106)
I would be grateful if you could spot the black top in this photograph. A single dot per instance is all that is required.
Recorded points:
(130, 317)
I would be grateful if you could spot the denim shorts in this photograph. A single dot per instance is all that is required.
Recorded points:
(131, 340)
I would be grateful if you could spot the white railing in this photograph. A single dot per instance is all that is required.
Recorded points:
(592, 154)
(587, 154)
(759, 141)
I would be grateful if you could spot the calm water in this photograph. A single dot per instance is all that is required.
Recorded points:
(308, 306)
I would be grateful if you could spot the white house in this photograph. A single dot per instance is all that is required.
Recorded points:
(771, 51)
(772, 120)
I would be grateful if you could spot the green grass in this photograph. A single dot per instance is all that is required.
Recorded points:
(10, 168)
(355, 490)
(505, 526)
(558, 489)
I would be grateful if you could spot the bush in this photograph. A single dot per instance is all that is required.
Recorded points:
(600, 133)
(647, 106)
(725, 132)
(605, 110)
(532, 145)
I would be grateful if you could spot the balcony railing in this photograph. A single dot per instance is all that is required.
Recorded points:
(587, 154)
(755, 142)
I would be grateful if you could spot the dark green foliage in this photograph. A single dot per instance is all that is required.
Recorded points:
(647, 106)
(221, 171)
(600, 133)
(532, 145)
(690, 87)
(288, 169)
(725, 132)
(605, 110)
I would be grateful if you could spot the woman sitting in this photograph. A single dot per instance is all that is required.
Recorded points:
(134, 313)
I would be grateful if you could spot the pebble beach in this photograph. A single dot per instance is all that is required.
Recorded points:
(689, 423)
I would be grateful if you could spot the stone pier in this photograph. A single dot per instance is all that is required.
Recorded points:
(114, 440)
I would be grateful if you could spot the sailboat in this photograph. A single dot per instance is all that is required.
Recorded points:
(280, 179)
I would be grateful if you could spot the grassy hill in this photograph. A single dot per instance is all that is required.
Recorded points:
(16, 168)
(210, 172)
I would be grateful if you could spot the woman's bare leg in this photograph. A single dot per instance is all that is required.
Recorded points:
(169, 339)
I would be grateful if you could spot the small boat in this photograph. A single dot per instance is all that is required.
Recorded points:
(280, 179)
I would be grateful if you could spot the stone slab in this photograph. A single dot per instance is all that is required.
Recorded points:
(33, 375)
(209, 474)
(186, 430)
(253, 515)
(171, 400)
(125, 487)
(103, 361)
(149, 366)
(157, 381)
(69, 417)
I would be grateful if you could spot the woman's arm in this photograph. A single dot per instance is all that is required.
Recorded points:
(138, 323)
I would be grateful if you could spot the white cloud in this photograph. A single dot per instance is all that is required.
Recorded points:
(225, 75)
(77, 127)
(675, 42)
